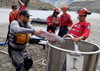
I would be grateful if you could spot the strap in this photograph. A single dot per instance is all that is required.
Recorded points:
(21, 24)
(13, 15)
(16, 15)
(7, 37)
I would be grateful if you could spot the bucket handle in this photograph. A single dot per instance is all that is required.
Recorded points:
(69, 35)
(75, 45)
(43, 62)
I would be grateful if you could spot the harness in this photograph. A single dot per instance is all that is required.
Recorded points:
(16, 15)
(18, 38)
(9, 25)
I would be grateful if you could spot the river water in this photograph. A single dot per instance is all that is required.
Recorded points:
(4, 14)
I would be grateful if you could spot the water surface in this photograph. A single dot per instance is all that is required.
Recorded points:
(4, 14)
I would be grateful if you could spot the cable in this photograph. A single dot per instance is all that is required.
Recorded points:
(4, 52)
(33, 62)
(39, 60)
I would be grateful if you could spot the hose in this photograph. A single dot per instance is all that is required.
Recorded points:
(3, 43)
(39, 60)
(7, 54)
(4, 52)
(33, 62)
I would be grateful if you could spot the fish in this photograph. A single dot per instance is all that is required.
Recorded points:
(51, 36)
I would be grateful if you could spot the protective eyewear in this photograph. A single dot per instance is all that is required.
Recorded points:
(27, 16)
(81, 15)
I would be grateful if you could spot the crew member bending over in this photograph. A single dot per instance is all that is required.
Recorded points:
(81, 30)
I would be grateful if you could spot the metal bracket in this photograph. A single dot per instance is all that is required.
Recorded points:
(74, 62)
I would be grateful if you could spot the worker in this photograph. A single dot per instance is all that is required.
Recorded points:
(66, 22)
(81, 30)
(53, 21)
(18, 37)
(15, 13)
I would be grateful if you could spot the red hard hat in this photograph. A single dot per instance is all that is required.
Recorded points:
(58, 10)
(65, 8)
(83, 11)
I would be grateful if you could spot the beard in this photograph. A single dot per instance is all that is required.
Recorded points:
(25, 22)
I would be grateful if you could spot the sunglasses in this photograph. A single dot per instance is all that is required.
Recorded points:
(80, 15)
(27, 16)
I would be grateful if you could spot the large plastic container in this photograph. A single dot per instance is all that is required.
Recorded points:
(63, 57)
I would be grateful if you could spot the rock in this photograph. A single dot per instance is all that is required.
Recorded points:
(33, 4)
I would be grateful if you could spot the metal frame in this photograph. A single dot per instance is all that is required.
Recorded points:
(69, 51)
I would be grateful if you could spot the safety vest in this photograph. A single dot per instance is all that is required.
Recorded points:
(18, 38)
(14, 16)
(79, 29)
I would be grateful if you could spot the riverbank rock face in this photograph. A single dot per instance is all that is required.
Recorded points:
(90, 5)
(37, 4)
(33, 4)
(74, 5)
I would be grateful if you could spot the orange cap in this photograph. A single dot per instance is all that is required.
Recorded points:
(82, 11)
(65, 8)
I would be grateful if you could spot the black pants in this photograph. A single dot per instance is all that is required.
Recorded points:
(63, 31)
(20, 59)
